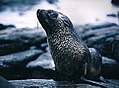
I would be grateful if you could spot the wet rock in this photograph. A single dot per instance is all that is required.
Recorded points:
(103, 38)
(111, 48)
(110, 68)
(52, 1)
(38, 83)
(115, 2)
(15, 40)
(6, 26)
(112, 15)
(98, 25)
(13, 66)
(5, 84)
(42, 67)
(45, 61)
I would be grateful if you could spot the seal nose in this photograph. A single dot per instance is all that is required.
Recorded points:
(40, 11)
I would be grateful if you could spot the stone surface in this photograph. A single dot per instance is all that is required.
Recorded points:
(5, 84)
(13, 66)
(16, 40)
(112, 15)
(42, 67)
(2, 26)
(45, 61)
(115, 2)
(102, 37)
(105, 38)
(110, 68)
(38, 83)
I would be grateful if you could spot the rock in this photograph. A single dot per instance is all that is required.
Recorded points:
(42, 67)
(16, 40)
(106, 60)
(110, 68)
(47, 83)
(5, 84)
(45, 61)
(111, 48)
(13, 66)
(98, 25)
(112, 15)
(115, 2)
(104, 38)
(52, 1)
(6, 26)
(43, 83)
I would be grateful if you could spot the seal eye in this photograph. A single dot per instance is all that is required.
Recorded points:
(52, 15)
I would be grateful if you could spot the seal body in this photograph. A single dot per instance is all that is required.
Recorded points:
(71, 56)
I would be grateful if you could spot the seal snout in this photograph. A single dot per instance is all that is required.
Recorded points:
(39, 11)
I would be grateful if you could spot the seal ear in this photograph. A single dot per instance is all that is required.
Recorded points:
(67, 22)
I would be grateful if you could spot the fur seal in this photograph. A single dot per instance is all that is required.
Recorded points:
(71, 56)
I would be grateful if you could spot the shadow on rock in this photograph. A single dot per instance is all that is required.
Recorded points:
(5, 84)
(13, 66)
(42, 67)
(16, 40)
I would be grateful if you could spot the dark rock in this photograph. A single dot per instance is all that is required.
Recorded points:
(111, 48)
(115, 2)
(15, 40)
(98, 25)
(52, 1)
(42, 67)
(43, 83)
(110, 68)
(112, 15)
(13, 66)
(6, 26)
(45, 61)
(104, 39)
(5, 84)
(44, 46)
(47, 83)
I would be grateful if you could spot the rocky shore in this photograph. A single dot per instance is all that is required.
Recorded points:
(24, 52)
(25, 59)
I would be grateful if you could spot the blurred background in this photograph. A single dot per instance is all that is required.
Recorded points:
(22, 13)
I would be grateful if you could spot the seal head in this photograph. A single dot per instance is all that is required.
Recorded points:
(50, 19)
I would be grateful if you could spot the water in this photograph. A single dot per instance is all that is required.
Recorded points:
(79, 11)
